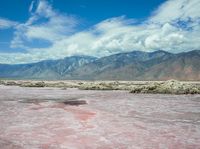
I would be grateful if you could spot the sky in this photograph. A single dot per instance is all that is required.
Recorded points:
(36, 30)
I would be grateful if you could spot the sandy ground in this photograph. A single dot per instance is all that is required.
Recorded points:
(39, 118)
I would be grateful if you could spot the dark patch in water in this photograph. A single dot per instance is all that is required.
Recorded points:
(74, 102)
(29, 101)
(32, 101)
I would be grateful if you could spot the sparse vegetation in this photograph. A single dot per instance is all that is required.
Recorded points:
(152, 87)
(98, 86)
(33, 84)
(168, 87)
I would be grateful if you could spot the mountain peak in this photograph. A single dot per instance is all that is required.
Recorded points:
(135, 65)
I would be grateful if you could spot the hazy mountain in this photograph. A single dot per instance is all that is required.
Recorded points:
(183, 66)
(50, 69)
(136, 65)
(123, 66)
(157, 65)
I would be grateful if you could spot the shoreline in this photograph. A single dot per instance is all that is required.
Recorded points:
(145, 87)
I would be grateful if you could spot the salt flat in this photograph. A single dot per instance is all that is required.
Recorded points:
(41, 118)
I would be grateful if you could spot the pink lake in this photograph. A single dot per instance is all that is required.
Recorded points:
(39, 118)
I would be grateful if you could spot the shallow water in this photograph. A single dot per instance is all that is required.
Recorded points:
(39, 118)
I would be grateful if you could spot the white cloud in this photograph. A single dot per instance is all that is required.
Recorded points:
(45, 23)
(5, 23)
(173, 27)
(31, 6)
(177, 9)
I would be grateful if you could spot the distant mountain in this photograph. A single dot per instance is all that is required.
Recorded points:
(49, 69)
(182, 66)
(159, 65)
(136, 65)
(122, 66)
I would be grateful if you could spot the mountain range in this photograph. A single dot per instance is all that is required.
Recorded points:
(136, 65)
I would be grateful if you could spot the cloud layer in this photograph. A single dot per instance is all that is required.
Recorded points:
(43, 24)
(5, 23)
(173, 27)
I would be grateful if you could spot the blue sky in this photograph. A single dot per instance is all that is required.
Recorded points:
(35, 30)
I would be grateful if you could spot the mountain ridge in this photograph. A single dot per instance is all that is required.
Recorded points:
(135, 65)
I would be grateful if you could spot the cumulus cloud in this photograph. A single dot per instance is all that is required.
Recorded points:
(173, 27)
(174, 10)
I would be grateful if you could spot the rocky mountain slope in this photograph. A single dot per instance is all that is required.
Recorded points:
(48, 70)
(136, 65)
(158, 65)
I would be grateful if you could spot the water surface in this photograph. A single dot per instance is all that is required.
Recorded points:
(42, 118)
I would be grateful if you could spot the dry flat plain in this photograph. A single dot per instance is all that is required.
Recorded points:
(70, 118)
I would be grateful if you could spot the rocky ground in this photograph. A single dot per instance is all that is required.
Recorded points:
(59, 118)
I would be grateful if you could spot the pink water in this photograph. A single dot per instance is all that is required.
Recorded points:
(33, 118)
